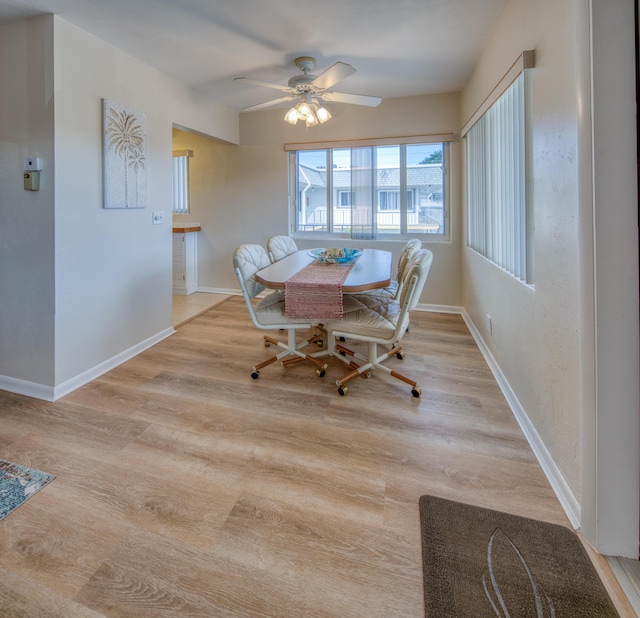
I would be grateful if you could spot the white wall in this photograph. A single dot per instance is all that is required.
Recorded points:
(26, 218)
(535, 331)
(609, 238)
(112, 267)
(543, 336)
(241, 194)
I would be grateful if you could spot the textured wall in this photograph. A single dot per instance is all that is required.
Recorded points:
(26, 217)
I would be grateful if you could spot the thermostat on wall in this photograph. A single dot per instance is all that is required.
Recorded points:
(31, 181)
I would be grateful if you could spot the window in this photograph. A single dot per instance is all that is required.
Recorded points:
(498, 217)
(390, 200)
(181, 181)
(371, 191)
(344, 199)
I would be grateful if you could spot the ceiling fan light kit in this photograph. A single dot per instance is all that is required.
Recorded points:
(308, 111)
(310, 90)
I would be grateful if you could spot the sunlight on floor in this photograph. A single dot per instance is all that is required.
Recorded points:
(186, 308)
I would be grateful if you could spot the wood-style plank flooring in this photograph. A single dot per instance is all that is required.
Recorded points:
(189, 306)
(185, 488)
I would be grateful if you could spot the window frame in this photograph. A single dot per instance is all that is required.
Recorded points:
(329, 228)
(410, 201)
(342, 193)
(387, 193)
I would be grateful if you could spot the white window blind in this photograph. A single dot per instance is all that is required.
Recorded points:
(181, 181)
(496, 183)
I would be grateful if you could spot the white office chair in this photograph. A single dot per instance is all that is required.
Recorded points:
(269, 313)
(377, 320)
(395, 287)
(393, 290)
(280, 247)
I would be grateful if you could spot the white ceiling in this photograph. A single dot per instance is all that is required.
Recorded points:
(399, 47)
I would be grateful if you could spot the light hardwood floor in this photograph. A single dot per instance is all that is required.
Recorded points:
(185, 488)
(189, 306)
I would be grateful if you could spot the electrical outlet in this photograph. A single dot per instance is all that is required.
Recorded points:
(158, 217)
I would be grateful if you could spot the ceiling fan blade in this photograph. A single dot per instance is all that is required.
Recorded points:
(334, 74)
(257, 82)
(355, 99)
(255, 108)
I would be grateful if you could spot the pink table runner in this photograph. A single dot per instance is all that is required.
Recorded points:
(315, 292)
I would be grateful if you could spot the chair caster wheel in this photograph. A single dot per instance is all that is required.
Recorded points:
(343, 353)
(321, 373)
(343, 390)
(266, 344)
(416, 391)
(320, 343)
(255, 374)
(342, 338)
(400, 355)
(367, 375)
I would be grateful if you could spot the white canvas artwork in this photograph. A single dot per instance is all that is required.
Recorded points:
(124, 156)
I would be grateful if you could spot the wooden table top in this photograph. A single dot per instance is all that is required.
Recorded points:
(371, 271)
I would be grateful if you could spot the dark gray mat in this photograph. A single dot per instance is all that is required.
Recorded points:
(478, 562)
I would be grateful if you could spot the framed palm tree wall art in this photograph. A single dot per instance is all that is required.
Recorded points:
(124, 145)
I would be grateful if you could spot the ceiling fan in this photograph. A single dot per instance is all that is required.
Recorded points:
(310, 90)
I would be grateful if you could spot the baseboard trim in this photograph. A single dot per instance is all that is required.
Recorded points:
(233, 292)
(29, 389)
(439, 308)
(560, 487)
(53, 393)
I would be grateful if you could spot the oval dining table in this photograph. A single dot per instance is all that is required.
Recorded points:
(371, 271)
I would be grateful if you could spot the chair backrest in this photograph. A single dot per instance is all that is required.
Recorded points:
(280, 247)
(415, 277)
(247, 261)
(408, 251)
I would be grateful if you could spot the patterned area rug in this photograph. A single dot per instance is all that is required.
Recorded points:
(17, 484)
(478, 562)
